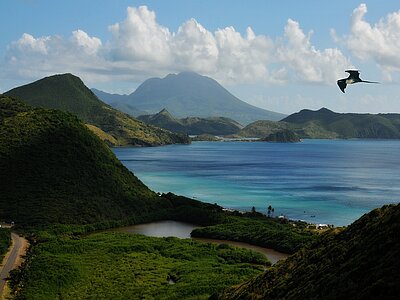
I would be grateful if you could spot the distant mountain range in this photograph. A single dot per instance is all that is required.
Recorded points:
(68, 93)
(187, 94)
(192, 125)
(324, 123)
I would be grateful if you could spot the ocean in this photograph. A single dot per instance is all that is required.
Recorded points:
(318, 181)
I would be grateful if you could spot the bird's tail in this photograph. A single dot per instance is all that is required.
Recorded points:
(370, 81)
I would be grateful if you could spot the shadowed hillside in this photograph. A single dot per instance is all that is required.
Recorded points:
(359, 262)
(53, 169)
(68, 93)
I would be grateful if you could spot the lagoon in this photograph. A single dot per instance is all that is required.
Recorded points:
(319, 181)
(182, 230)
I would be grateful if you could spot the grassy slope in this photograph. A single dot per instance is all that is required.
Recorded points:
(68, 93)
(359, 262)
(126, 266)
(54, 170)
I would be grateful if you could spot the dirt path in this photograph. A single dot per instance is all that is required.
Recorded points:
(13, 259)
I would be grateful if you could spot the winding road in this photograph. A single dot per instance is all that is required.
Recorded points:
(12, 259)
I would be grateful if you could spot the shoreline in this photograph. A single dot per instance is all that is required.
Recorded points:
(182, 230)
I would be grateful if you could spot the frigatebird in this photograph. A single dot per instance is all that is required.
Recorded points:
(354, 77)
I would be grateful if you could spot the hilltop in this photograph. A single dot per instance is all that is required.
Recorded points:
(68, 93)
(53, 169)
(359, 262)
(192, 125)
(190, 94)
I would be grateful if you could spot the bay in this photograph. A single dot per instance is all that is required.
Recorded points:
(319, 181)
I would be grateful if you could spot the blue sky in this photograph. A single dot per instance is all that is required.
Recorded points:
(279, 55)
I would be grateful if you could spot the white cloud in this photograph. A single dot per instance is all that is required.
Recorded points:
(195, 48)
(140, 47)
(89, 44)
(29, 44)
(32, 58)
(307, 63)
(140, 38)
(379, 42)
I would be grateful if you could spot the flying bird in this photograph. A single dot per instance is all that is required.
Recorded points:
(354, 77)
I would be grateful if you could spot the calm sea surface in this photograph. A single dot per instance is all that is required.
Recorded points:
(319, 181)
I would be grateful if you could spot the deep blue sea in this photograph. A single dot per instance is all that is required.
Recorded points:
(319, 181)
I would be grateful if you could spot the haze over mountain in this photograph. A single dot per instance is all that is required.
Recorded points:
(192, 125)
(189, 94)
(68, 93)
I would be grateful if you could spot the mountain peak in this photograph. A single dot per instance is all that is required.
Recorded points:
(191, 94)
(164, 111)
(324, 110)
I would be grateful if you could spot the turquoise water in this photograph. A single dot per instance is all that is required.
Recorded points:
(319, 181)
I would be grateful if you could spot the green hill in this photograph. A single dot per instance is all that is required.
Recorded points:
(67, 92)
(359, 262)
(192, 125)
(284, 136)
(262, 128)
(326, 124)
(349, 125)
(53, 169)
(190, 94)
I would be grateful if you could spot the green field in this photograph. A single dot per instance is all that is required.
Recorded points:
(125, 266)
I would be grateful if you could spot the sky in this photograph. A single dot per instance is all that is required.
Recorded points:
(283, 55)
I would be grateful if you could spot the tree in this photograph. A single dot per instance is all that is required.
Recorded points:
(269, 211)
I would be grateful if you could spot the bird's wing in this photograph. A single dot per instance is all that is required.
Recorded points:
(342, 84)
(354, 74)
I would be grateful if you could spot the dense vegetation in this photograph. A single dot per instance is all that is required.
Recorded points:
(190, 94)
(359, 262)
(68, 93)
(279, 234)
(125, 266)
(192, 125)
(5, 242)
(54, 170)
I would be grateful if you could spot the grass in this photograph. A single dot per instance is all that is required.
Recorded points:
(125, 266)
